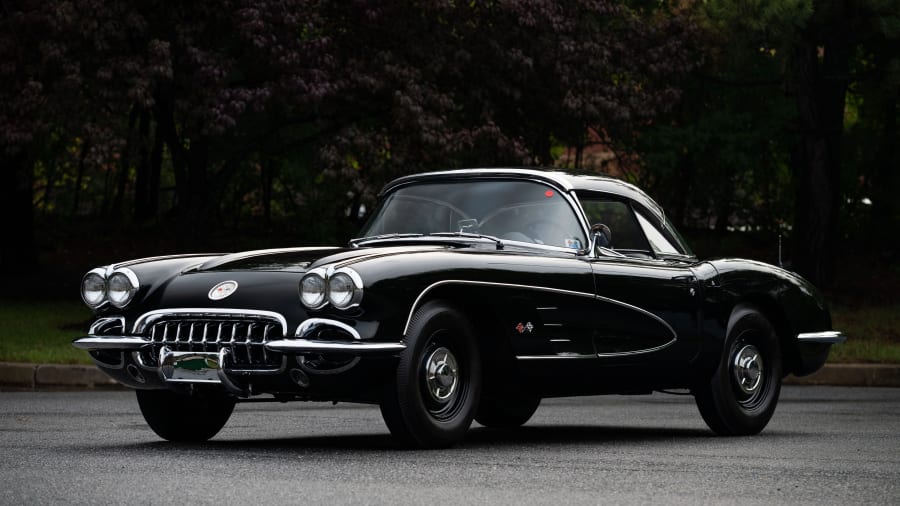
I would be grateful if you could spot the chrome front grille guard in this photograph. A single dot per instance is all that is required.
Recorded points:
(189, 345)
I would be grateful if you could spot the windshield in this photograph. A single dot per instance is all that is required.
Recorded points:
(524, 211)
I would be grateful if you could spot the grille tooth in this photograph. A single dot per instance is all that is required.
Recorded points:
(245, 336)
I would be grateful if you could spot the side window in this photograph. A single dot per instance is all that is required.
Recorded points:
(626, 233)
(657, 240)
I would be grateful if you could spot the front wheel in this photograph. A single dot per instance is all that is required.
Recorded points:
(184, 418)
(435, 394)
(741, 396)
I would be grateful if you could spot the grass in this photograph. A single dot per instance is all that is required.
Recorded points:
(42, 332)
(873, 334)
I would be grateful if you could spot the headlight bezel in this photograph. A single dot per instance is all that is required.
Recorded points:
(326, 276)
(98, 273)
(133, 286)
(322, 297)
(356, 285)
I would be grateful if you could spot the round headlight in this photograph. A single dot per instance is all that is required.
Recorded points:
(312, 291)
(121, 287)
(342, 290)
(93, 289)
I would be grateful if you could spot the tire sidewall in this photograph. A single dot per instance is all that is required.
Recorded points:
(438, 324)
(747, 325)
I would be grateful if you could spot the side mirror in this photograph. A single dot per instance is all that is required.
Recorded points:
(601, 237)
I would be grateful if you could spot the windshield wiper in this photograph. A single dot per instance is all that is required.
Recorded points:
(360, 240)
(469, 235)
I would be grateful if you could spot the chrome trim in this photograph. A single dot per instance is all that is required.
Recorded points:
(311, 346)
(645, 312)
(555, 325)
(211, 295)
(110, 343)
(132, 279)
(357, 283)
(100, 271)
(226, 382)
(560, 340)
(323, 274)
(96, 327)
(308, 327)
(136, 356)
(824, 337)
(638, 352)
(545, 289)
(546, 357)
(148, 318)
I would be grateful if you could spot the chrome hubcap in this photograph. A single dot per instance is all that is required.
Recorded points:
(748, 369)
(442, 375)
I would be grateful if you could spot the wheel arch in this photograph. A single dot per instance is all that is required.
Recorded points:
(775, 313)
(494, 346)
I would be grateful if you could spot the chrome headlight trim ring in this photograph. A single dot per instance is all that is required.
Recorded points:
(133, 282)
(323, 296)
(99, 272)
(357, 283)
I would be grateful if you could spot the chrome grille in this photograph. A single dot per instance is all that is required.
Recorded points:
(245, 336)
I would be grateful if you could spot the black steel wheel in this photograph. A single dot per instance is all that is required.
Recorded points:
(185, 418)
(435, 394)
(741, 396)
(506, 412)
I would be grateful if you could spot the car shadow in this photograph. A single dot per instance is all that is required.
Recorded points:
(478, 438)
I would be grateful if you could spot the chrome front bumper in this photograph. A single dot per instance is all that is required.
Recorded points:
(826, 337)
(209, 367)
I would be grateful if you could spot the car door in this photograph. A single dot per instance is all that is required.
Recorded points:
(646, 289)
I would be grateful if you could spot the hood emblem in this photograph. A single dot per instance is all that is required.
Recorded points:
(222, 290)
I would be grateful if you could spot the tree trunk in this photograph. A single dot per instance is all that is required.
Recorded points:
(17, 213)
(821, 89)
(142, 171)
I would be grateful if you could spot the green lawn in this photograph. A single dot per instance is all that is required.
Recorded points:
(873, 334)
(41, 332)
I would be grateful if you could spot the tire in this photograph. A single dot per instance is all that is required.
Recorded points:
(506, 413)
(184, 418)
(736, 401)
(436, 390)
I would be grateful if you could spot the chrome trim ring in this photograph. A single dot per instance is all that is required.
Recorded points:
(99, 271)
(748, 369)
(355, 278)
(441, 375)
(321, 274)
(132, 280)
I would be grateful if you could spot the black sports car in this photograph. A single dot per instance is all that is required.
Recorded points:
(470, 294)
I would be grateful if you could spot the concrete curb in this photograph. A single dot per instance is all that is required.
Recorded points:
(851, 375)
(16, 376)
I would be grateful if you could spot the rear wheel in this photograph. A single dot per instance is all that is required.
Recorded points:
(435, 394)
(185, 418)
(506, 412)
(741, 396)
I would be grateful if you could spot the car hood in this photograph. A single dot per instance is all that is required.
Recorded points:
(301, 259)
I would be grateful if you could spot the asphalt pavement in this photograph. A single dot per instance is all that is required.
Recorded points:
(42, 377)
(825, 445)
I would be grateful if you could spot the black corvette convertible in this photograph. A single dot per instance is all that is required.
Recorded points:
(469, 294)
